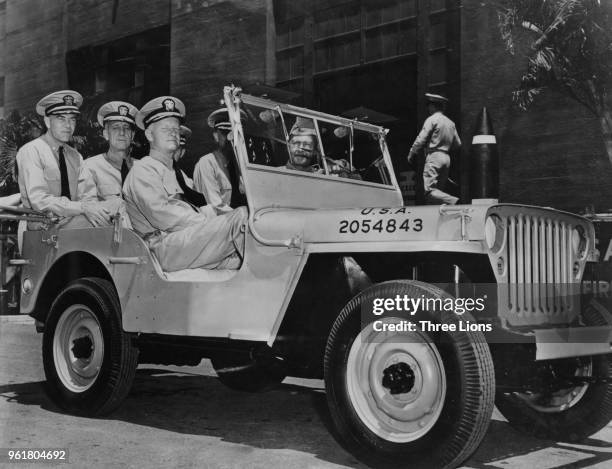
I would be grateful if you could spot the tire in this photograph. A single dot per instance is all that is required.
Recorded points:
(89, 361)
(569, 414)
(247, 375)
(436, 419)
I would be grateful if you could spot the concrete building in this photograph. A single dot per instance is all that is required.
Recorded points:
(334, 55)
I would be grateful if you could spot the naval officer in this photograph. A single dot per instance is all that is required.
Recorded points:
(181, 235)
(52, 177)
(109, 169)
(216, 174)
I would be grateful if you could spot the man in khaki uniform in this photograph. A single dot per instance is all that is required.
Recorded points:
(215, 174)
(181, 235)
(110, 169)
(438, 137)
(51, 176)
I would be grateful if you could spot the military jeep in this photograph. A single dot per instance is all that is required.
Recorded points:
(322, 250)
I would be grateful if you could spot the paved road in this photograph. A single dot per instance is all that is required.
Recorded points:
(183, 417)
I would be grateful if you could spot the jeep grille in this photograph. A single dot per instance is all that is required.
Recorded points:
(537, 267)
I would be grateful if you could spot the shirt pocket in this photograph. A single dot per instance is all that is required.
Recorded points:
(51, 174)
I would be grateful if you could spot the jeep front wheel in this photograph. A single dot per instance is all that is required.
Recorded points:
(414, 396)
(89, 361)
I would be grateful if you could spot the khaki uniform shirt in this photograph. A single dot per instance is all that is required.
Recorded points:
(40, 182)
(107, 179)
(210, 179)
(438, 133)
(153, 199)
(180, 237)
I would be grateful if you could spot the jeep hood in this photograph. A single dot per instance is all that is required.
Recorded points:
(381, 224)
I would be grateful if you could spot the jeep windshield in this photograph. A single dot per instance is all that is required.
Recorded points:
(293, 139)
(294, 157)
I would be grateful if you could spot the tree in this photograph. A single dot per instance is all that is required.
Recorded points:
(15, 131)
(569, 50)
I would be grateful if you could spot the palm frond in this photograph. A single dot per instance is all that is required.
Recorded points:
(507, 21)
(570, 49)
(15, 131)
(544, 59)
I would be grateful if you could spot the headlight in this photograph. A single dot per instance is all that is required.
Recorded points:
(27, 286)
(579, 242)
(494, 233)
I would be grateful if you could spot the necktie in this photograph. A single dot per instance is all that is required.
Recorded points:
(63, 174)
(124, 171)
(237, 199)
(193, 197)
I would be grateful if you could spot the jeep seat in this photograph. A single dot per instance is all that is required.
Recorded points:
(191, 275)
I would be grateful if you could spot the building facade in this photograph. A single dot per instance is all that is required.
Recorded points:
(370, 59)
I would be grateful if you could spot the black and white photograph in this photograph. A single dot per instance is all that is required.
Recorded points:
(306, 234)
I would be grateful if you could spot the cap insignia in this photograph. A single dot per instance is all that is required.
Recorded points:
(168, 105)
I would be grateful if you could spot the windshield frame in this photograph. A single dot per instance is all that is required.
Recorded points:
(317, 116)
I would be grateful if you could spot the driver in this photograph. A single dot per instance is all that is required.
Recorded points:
(304, 152)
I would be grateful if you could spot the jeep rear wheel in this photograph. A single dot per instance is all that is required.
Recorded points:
(416, 397)
(565, 412)
(89, 361)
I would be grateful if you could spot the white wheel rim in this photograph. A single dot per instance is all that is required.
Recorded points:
(78, 348)
(393, 414)
(561, 400)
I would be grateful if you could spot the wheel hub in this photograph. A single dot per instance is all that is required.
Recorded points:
(78, 348)
(396, 383)
(398, 378)
(557, 392)
(82, 347)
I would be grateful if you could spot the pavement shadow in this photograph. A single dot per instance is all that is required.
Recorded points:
(503, 443)
(31, 393)
(289, 417)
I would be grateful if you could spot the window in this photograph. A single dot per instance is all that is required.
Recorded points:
(135, 68)
(332, 36)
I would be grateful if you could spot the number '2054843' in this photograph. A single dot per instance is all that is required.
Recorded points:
(390, 225)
